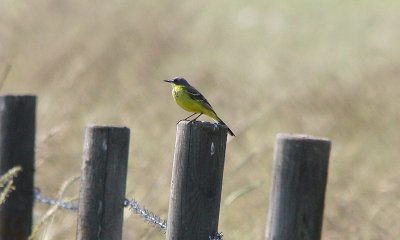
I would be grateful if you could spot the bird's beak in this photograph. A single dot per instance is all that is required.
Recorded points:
(168, 81)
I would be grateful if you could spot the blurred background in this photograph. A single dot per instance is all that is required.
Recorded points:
(324, 68)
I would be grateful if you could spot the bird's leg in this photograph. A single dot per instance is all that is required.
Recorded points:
(190, 116)
(186, 118)
(196, 117)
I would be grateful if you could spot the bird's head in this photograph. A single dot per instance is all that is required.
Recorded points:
(177, 81)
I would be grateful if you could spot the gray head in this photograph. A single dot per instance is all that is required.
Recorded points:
(178, 81)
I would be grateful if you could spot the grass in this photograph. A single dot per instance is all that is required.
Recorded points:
(7, 183)
(324, 68)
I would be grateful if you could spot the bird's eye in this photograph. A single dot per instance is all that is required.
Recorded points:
(175, 80)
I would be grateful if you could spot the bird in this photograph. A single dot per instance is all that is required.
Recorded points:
(191, 100)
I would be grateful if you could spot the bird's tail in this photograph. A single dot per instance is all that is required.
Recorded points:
(229, 130)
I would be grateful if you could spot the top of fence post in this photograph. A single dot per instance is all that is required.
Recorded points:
(103, 181)
(196, 181)
(298, 187)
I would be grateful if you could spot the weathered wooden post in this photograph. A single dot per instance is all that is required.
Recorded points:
(103, 181)
(17, 144)
(196, 181)
(298, 188)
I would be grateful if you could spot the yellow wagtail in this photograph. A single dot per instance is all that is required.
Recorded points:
(191, 100)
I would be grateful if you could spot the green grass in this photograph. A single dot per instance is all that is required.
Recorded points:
(324, 68)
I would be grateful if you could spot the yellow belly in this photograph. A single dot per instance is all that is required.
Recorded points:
(189, 104)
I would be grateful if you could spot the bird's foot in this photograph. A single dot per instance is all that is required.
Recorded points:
(184, 120)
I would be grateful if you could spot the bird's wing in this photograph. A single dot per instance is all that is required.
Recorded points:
(196, 95)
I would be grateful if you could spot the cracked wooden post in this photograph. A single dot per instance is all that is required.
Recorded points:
(17, 148)
(298, 188)
(196, 181)
(103, 181)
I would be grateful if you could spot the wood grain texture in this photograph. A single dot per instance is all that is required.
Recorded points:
(196, 181)
(17, 143)
(103, 182)
(298, 188)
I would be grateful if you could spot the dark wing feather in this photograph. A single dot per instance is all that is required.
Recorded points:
(196, 95)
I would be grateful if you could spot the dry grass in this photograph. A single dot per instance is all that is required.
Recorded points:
(7, 183)
(325, 68)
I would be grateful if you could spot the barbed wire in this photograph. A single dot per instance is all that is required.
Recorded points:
(148, 216)
(66, 205)
(216, 236)
(133, 205)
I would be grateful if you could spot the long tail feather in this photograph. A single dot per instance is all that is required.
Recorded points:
(229, 130)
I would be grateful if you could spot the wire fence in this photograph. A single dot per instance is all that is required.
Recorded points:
(305, 159)
(48, 201)
(146, 214)
(133, 205)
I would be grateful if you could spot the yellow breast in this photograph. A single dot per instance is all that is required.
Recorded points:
(185, 101)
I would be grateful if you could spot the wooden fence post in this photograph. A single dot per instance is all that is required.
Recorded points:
(17, 143)
(103, 181)
(298, 188)
(196, 181)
